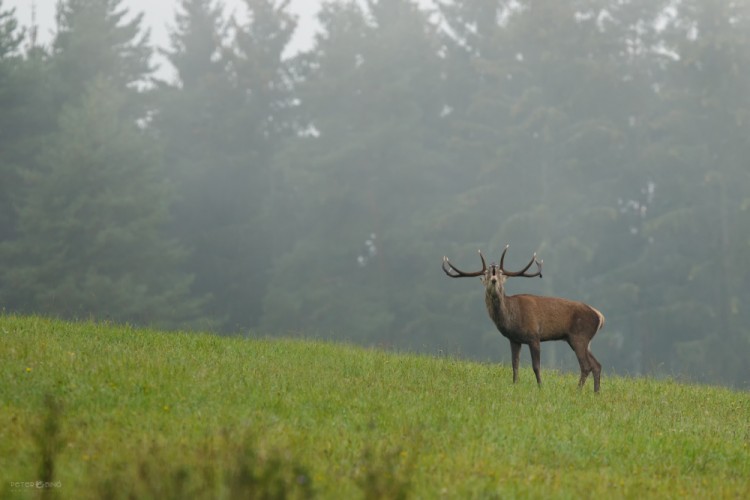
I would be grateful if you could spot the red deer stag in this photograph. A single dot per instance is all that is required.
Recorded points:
(530, 319)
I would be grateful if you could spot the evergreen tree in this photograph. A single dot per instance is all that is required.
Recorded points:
(10, 35)
(366, 173)
(222, 123)
(10, 95)
(699, 252)
(26, 121)
(94, 204)
(196, 42)
(90, 233)
(94, 40)
(319, 192)
(552, 91)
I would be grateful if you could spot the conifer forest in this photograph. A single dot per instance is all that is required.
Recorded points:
(261, 192)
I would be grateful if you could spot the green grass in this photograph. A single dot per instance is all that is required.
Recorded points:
(106, 411)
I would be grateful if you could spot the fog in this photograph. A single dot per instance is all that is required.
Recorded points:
(159, 19)
(307, 179)
(159, 16)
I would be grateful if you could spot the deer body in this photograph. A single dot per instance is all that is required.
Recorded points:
(531, 319)
(528, 318)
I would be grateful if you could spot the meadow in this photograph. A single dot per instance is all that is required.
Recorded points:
(92, 410)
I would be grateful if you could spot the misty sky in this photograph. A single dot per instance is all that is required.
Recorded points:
(160, 16)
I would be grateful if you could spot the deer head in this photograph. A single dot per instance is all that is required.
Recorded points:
(494, 276)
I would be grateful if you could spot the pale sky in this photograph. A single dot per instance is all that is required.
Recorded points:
(159, 16)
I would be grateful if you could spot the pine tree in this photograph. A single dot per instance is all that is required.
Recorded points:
(365, 179)
(94, 40)
(223, 121)
(196, 42)
(91, 224)
(190, 110)
(11, 91)
(702, 267)
(10, 35)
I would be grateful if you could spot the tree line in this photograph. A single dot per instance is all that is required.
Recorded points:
(316, 193)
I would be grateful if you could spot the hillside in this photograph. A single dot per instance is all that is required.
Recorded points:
(101, 410)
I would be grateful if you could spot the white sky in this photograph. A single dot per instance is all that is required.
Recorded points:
(159, 16)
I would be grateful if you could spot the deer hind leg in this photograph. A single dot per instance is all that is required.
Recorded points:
(582, 353)
(536, 358)
(515, 349)
(596, 368)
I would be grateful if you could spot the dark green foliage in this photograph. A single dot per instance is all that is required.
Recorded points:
(91, 224)
(387, 472)
(240, 467)
(23, 101)
(221, 124)
(50, 443)
(10, 35)
(97, 38)
(10, 91)
(196, 43)
(370, 148)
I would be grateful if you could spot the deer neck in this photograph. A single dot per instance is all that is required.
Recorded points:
(498, 305)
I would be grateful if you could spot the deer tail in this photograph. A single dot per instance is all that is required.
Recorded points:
(601, 318)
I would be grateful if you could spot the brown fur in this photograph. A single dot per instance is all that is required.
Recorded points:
(531, 319)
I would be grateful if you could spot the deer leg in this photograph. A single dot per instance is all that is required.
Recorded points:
(515, 349)
(582, 353)
(536, 357)
(596, 367)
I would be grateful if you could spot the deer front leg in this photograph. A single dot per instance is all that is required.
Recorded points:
(536, 358)
(515, 350)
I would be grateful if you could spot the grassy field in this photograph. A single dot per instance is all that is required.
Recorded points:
(94, 410)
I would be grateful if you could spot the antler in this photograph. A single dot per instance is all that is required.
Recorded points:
(454, 272)
(522, 272)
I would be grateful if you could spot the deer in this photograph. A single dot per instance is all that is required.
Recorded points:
(532, 319)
